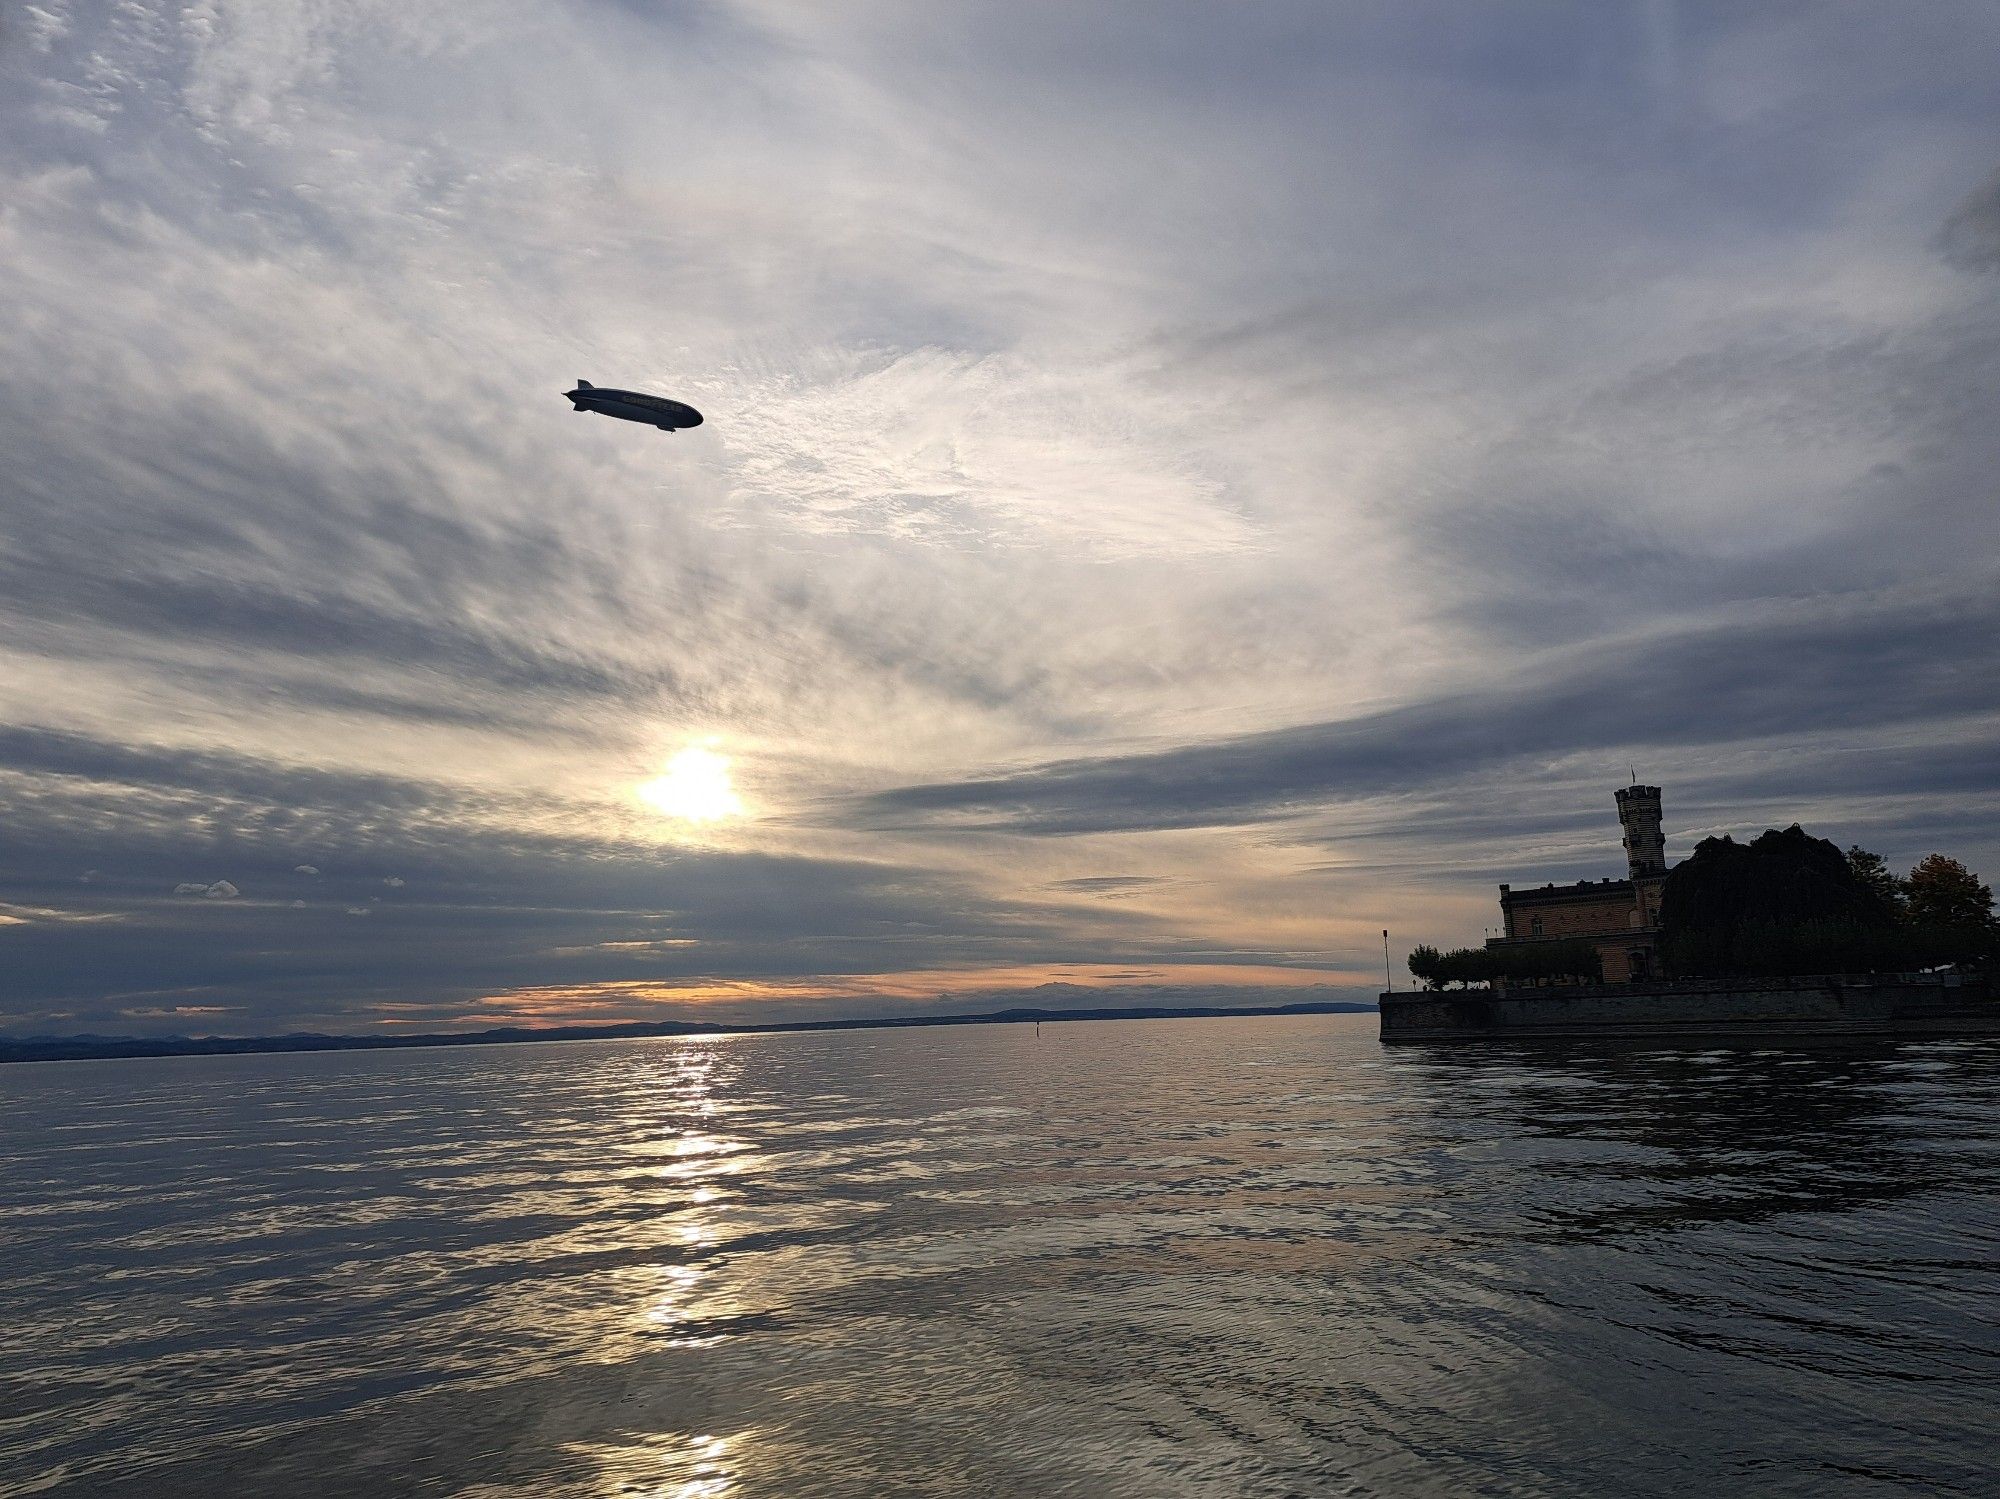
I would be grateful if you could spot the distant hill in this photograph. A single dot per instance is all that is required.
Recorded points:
(88, 1048)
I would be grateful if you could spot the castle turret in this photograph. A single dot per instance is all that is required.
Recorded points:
(1645, 844)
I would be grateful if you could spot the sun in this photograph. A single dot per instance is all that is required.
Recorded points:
(694, 787)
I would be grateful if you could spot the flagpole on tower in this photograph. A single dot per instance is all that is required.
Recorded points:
(1388, 974)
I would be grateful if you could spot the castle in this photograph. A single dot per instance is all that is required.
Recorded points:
(1621, 917)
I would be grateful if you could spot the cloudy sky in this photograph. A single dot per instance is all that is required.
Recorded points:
(1185, 487)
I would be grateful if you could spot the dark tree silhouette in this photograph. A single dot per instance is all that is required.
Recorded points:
(1786, 902)
(1791, 903)
(1527, 962)
(1872, 872)
(1943, 892)
(1427, 965)
(1948, 913)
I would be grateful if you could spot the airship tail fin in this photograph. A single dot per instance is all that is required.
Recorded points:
(584, 385)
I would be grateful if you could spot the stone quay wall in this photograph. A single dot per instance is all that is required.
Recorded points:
(1702, 1009)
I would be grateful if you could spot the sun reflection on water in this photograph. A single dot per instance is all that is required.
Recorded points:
(676, 1310)
(665, 1465)
(684, 1167)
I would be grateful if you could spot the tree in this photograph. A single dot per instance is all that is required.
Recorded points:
(1465, 965)
(1427, 965)
(1575, 959)
(1942, 892)
(1435, 969)
(1948, 914)
(1786, 902)
(1873, 874)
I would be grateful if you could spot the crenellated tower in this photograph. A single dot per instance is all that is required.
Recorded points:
(1645, 844)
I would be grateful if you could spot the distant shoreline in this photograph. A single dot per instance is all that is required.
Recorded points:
(111, 1048)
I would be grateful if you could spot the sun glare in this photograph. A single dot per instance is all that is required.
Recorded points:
(694, 787)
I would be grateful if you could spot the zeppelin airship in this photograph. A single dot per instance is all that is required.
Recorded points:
(633, 406)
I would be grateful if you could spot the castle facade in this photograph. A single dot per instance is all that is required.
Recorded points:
(1620, 917)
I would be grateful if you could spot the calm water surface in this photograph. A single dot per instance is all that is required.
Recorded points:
(1232, 1257)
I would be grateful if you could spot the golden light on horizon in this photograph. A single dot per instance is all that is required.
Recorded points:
(694, 787)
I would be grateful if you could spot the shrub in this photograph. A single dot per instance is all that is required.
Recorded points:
(1528, 962)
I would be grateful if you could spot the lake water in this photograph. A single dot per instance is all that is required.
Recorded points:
(1221, 1257)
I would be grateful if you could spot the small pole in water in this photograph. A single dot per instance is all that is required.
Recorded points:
(1038, 1030)
(1388, 974)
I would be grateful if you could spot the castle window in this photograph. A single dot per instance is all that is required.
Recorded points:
(1535, 927)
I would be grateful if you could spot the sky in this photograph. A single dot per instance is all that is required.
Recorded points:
(1185, 488)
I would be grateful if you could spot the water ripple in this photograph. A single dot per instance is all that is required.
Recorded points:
(1256, 1257)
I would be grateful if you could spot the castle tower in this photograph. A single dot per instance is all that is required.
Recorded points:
(1645, 844)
